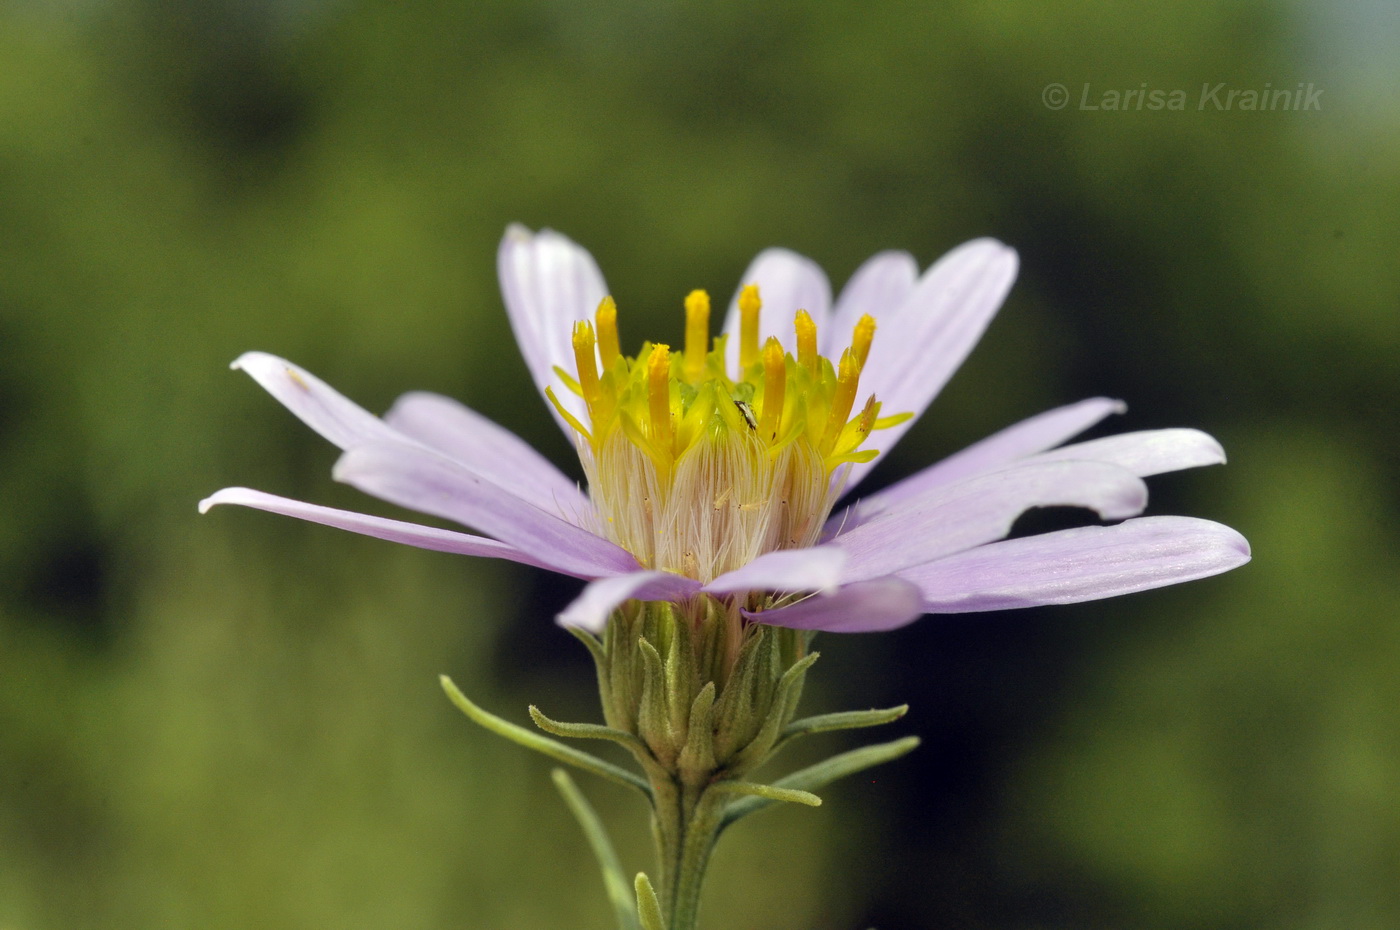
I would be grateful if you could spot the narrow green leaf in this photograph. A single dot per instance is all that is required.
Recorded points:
(585, 730)
(771, 792)
(824, 773)
(542, 744)
(619, 892)
(648, 907)
(845, 720)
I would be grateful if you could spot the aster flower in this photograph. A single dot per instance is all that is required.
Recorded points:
(713, 471)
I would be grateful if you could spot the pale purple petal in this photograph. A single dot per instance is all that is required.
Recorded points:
(817, 569)
(315, 403)
(488, 449)
(1081, 564)
(955, 517)
(1145, 453)
(787, 282)
(548, 282)
(921, 345)
(879, 287)
(1040, 432)
(397, 531)
(423, 480)
(591, 609)
(864, 607)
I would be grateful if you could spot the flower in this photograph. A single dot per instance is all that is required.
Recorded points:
(712, 471)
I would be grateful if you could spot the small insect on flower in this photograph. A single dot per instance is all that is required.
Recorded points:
(712, 472)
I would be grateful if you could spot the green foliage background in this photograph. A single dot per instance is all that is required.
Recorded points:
(233, 721)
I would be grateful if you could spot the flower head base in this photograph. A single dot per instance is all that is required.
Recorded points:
(698, 470)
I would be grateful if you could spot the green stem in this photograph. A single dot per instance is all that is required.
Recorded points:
(686, 822)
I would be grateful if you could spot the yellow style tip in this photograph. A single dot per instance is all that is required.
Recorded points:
(697, 333)
(749, 306)
(861, 339)
(608, 347)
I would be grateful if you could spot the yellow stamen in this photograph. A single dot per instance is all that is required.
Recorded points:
(847, 378)
(806, 341)
(697, 333)
(587, 364)
(774, 384)
(659, 396)
(749, 305)
(861, 339)
(608, 349)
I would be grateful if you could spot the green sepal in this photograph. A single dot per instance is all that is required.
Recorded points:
(619, 892)
(824, 773)
(585, 731)
(679, 677)
(542, 744)
(771, 792)
(698, 753)
(736, 701)
(780, 709)
(648, 907)
(653, 716)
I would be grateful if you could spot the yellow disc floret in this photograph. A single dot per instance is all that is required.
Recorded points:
(699, 470)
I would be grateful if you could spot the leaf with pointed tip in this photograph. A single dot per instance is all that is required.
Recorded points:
(648, 908)
(845, 720)
(619, 893)
(769, 792)
(585, 730)
(542, 744)
(824, 773)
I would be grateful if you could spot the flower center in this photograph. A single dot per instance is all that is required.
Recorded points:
(698, 471)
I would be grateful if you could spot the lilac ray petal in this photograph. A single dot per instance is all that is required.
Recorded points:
(422, 480)
(787, 282)
(1081, 564)
(864, 607)
(1040, 432)
(1145, 453)
(879, 287)
(921, 346)
(981, 509)
(591, 609)
(315, 403)
(548, 282)
(409, 534)
(817, 569)
(488, 449)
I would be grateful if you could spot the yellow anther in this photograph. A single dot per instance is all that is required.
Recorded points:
(586, 363)
(861, 339)
(659, 396)
(608, 350)
(847, 378)
(697, 333)
(749, 305)
(806, 341)
(774, 384)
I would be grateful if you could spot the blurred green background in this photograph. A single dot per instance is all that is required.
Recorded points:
(233, 721)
